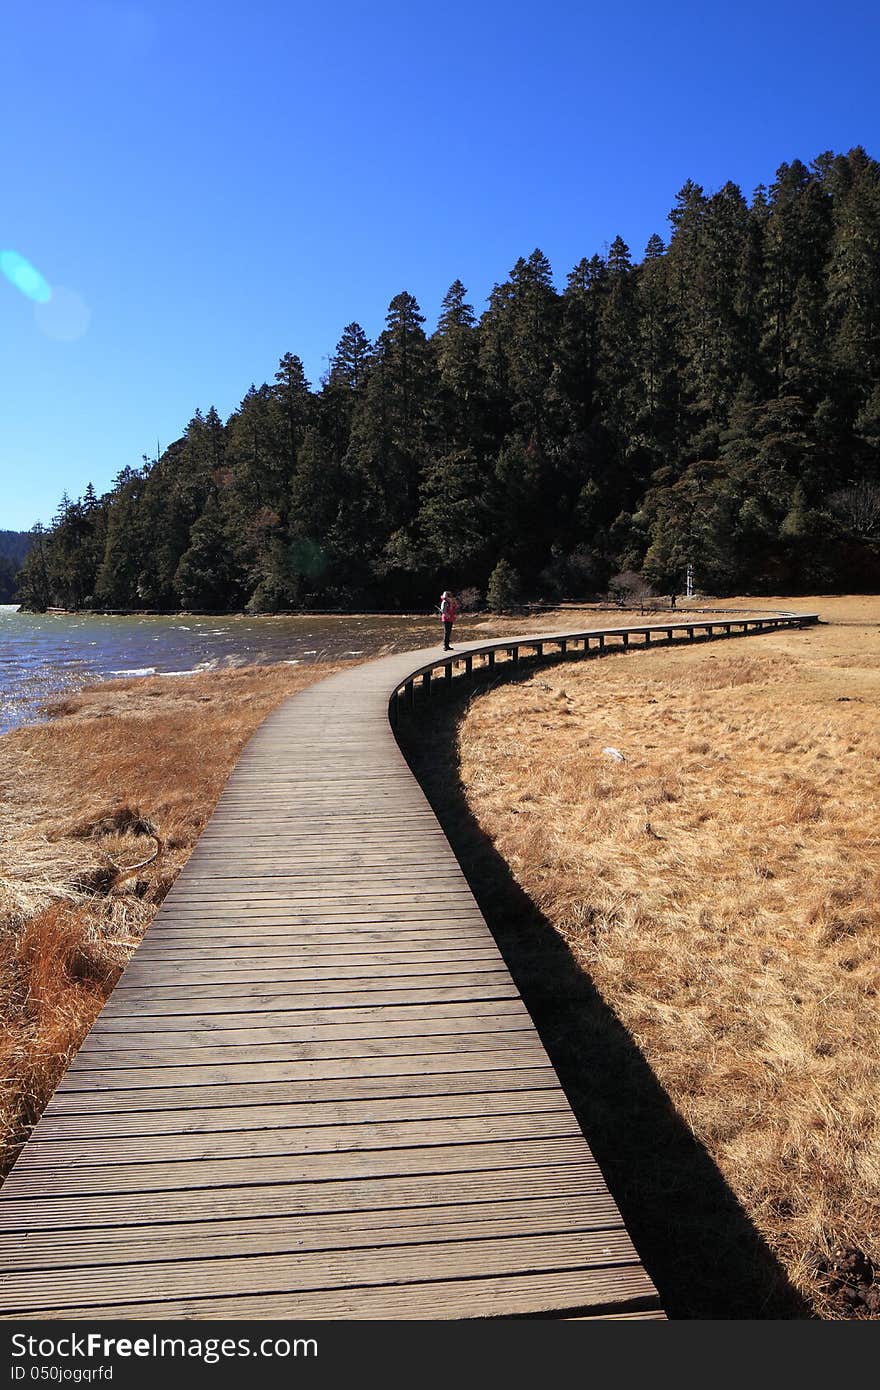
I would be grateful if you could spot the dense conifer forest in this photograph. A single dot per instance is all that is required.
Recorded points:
(715, 404)
(14, 546)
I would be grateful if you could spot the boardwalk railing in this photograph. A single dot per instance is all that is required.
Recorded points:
(583, 642)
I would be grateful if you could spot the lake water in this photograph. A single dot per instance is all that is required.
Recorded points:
(42, 655)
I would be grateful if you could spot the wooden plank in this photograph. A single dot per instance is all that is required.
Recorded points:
(230, 1057)
(493, 1255)
(358, 979)
(536, 1294)
(155, 1008)
(299, 967)
(247, 1201)
(175, 1176)
(282, 946)
(297, 1140)
(426, 920)
(411, 1014)
(54, 1127)
(181, 1097)
(306, 1040)
(377, 1061)
(186, 1240)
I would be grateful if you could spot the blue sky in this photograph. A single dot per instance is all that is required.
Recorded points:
(207, 186)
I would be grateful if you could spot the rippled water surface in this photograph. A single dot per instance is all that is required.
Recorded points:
(42, 655)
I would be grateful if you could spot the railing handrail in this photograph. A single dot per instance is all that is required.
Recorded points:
(754, 622)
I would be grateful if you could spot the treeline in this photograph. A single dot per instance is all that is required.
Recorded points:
(14, 546)
(716, 404)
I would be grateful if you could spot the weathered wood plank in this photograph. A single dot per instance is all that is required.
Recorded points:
(280, 1141)
(186, 1240)
(182, 1097)
(100, 1284)
(550, 1295)
(54, 1127)
(378, 1061)
(176, 1176)
(248, 1201)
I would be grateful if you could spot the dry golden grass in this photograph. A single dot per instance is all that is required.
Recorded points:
(125, 769)
(720, 888)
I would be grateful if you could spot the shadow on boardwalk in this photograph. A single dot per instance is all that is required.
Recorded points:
(698, 1245)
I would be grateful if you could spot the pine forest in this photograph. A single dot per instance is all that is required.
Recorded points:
(714, 405)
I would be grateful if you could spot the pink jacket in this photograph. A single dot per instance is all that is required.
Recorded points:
(448, 610)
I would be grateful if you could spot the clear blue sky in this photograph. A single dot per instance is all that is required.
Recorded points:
(209, 185)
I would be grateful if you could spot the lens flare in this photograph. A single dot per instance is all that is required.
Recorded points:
(65, 317)
(25, 277)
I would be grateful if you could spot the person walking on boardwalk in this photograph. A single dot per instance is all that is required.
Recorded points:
(448, 614)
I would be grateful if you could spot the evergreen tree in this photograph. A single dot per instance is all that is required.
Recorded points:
(205, 577)
(461, 397)
(293, 395)
(33, 579)
(717, 404)
(504, 588)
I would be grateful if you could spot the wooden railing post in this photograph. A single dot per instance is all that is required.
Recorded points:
(405, 693)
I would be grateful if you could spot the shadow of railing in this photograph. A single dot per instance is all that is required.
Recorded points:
(702, 1251)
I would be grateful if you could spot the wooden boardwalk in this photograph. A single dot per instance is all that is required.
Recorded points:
(316, 1092)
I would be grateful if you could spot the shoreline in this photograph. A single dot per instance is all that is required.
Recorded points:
(699, 603)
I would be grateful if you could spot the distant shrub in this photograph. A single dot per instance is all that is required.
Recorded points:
(469, 600)
(629, 589)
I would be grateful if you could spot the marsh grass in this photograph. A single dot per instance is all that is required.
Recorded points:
(718, 890)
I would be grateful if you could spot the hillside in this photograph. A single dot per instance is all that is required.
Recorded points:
(713, 406)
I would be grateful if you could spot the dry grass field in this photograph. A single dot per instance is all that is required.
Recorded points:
(123, 770)
(718, 891)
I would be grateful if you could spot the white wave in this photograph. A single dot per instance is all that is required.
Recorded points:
(138, 671)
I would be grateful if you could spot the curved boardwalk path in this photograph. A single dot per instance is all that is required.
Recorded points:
(315, 1092)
